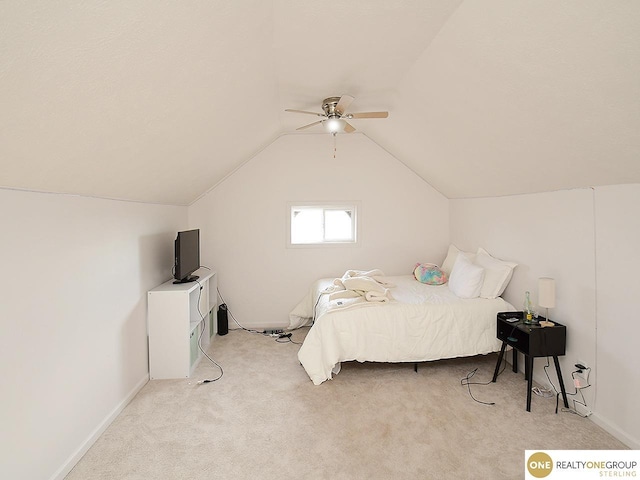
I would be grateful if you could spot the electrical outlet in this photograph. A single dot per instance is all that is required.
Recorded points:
(581, 375)
(579, 381)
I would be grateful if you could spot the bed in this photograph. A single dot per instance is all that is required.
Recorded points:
(420, 323)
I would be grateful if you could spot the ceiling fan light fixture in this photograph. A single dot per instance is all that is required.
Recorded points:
(334, 124)
(335, 116)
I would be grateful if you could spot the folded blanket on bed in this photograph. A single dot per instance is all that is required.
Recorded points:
(378, 297)
(358, 287)
(304, 312)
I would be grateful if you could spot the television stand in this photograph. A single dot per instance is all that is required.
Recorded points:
(181, 318)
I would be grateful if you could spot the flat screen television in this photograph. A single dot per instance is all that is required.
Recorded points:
(187, 256)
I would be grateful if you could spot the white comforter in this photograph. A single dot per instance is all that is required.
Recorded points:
(421, 323)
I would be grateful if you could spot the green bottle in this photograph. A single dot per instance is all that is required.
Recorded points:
(527, 308)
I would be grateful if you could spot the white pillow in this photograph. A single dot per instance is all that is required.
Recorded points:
(497, 274)
(466, 278)
(452, 254)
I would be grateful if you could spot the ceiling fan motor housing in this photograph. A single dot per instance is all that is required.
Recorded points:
(329, 106)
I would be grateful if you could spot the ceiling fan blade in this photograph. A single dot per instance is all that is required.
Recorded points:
(303, 111)
(310, 125)
(348, 127)
(344, 103)
(368, 115)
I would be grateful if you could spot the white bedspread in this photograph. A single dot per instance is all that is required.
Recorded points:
(421, 323)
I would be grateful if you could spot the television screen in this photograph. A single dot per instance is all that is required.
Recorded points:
(187, 256)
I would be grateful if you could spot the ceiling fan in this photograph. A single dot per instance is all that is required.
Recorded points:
(335, 116)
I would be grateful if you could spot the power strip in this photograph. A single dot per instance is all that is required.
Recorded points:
(273, 333)
(581, 409)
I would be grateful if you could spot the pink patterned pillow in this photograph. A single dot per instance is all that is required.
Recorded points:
(429, 273)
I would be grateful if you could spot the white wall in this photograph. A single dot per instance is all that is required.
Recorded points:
(243, 222)
(618, 286)
(575, 237)
(73, 345)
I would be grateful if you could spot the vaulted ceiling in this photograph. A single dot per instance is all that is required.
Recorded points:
(157, 101)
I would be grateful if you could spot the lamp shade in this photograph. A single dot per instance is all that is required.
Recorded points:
(546, 292)
(334, 124)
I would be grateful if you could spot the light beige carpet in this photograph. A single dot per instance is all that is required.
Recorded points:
(265, 420)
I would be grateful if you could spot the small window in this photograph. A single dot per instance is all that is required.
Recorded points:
(315, 224)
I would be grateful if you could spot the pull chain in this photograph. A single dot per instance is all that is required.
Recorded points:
(334, 145)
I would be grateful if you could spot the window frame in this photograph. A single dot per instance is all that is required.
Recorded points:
(353, 206)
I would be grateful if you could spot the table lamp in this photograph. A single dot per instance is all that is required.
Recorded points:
(546, 297)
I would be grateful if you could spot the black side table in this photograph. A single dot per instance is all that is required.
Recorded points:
(533, 341)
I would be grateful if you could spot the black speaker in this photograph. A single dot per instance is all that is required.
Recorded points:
(223, 320)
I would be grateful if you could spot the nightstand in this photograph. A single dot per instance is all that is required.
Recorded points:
(533, 341)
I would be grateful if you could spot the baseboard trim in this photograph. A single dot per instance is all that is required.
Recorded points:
(68, 465)
(603, 423)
